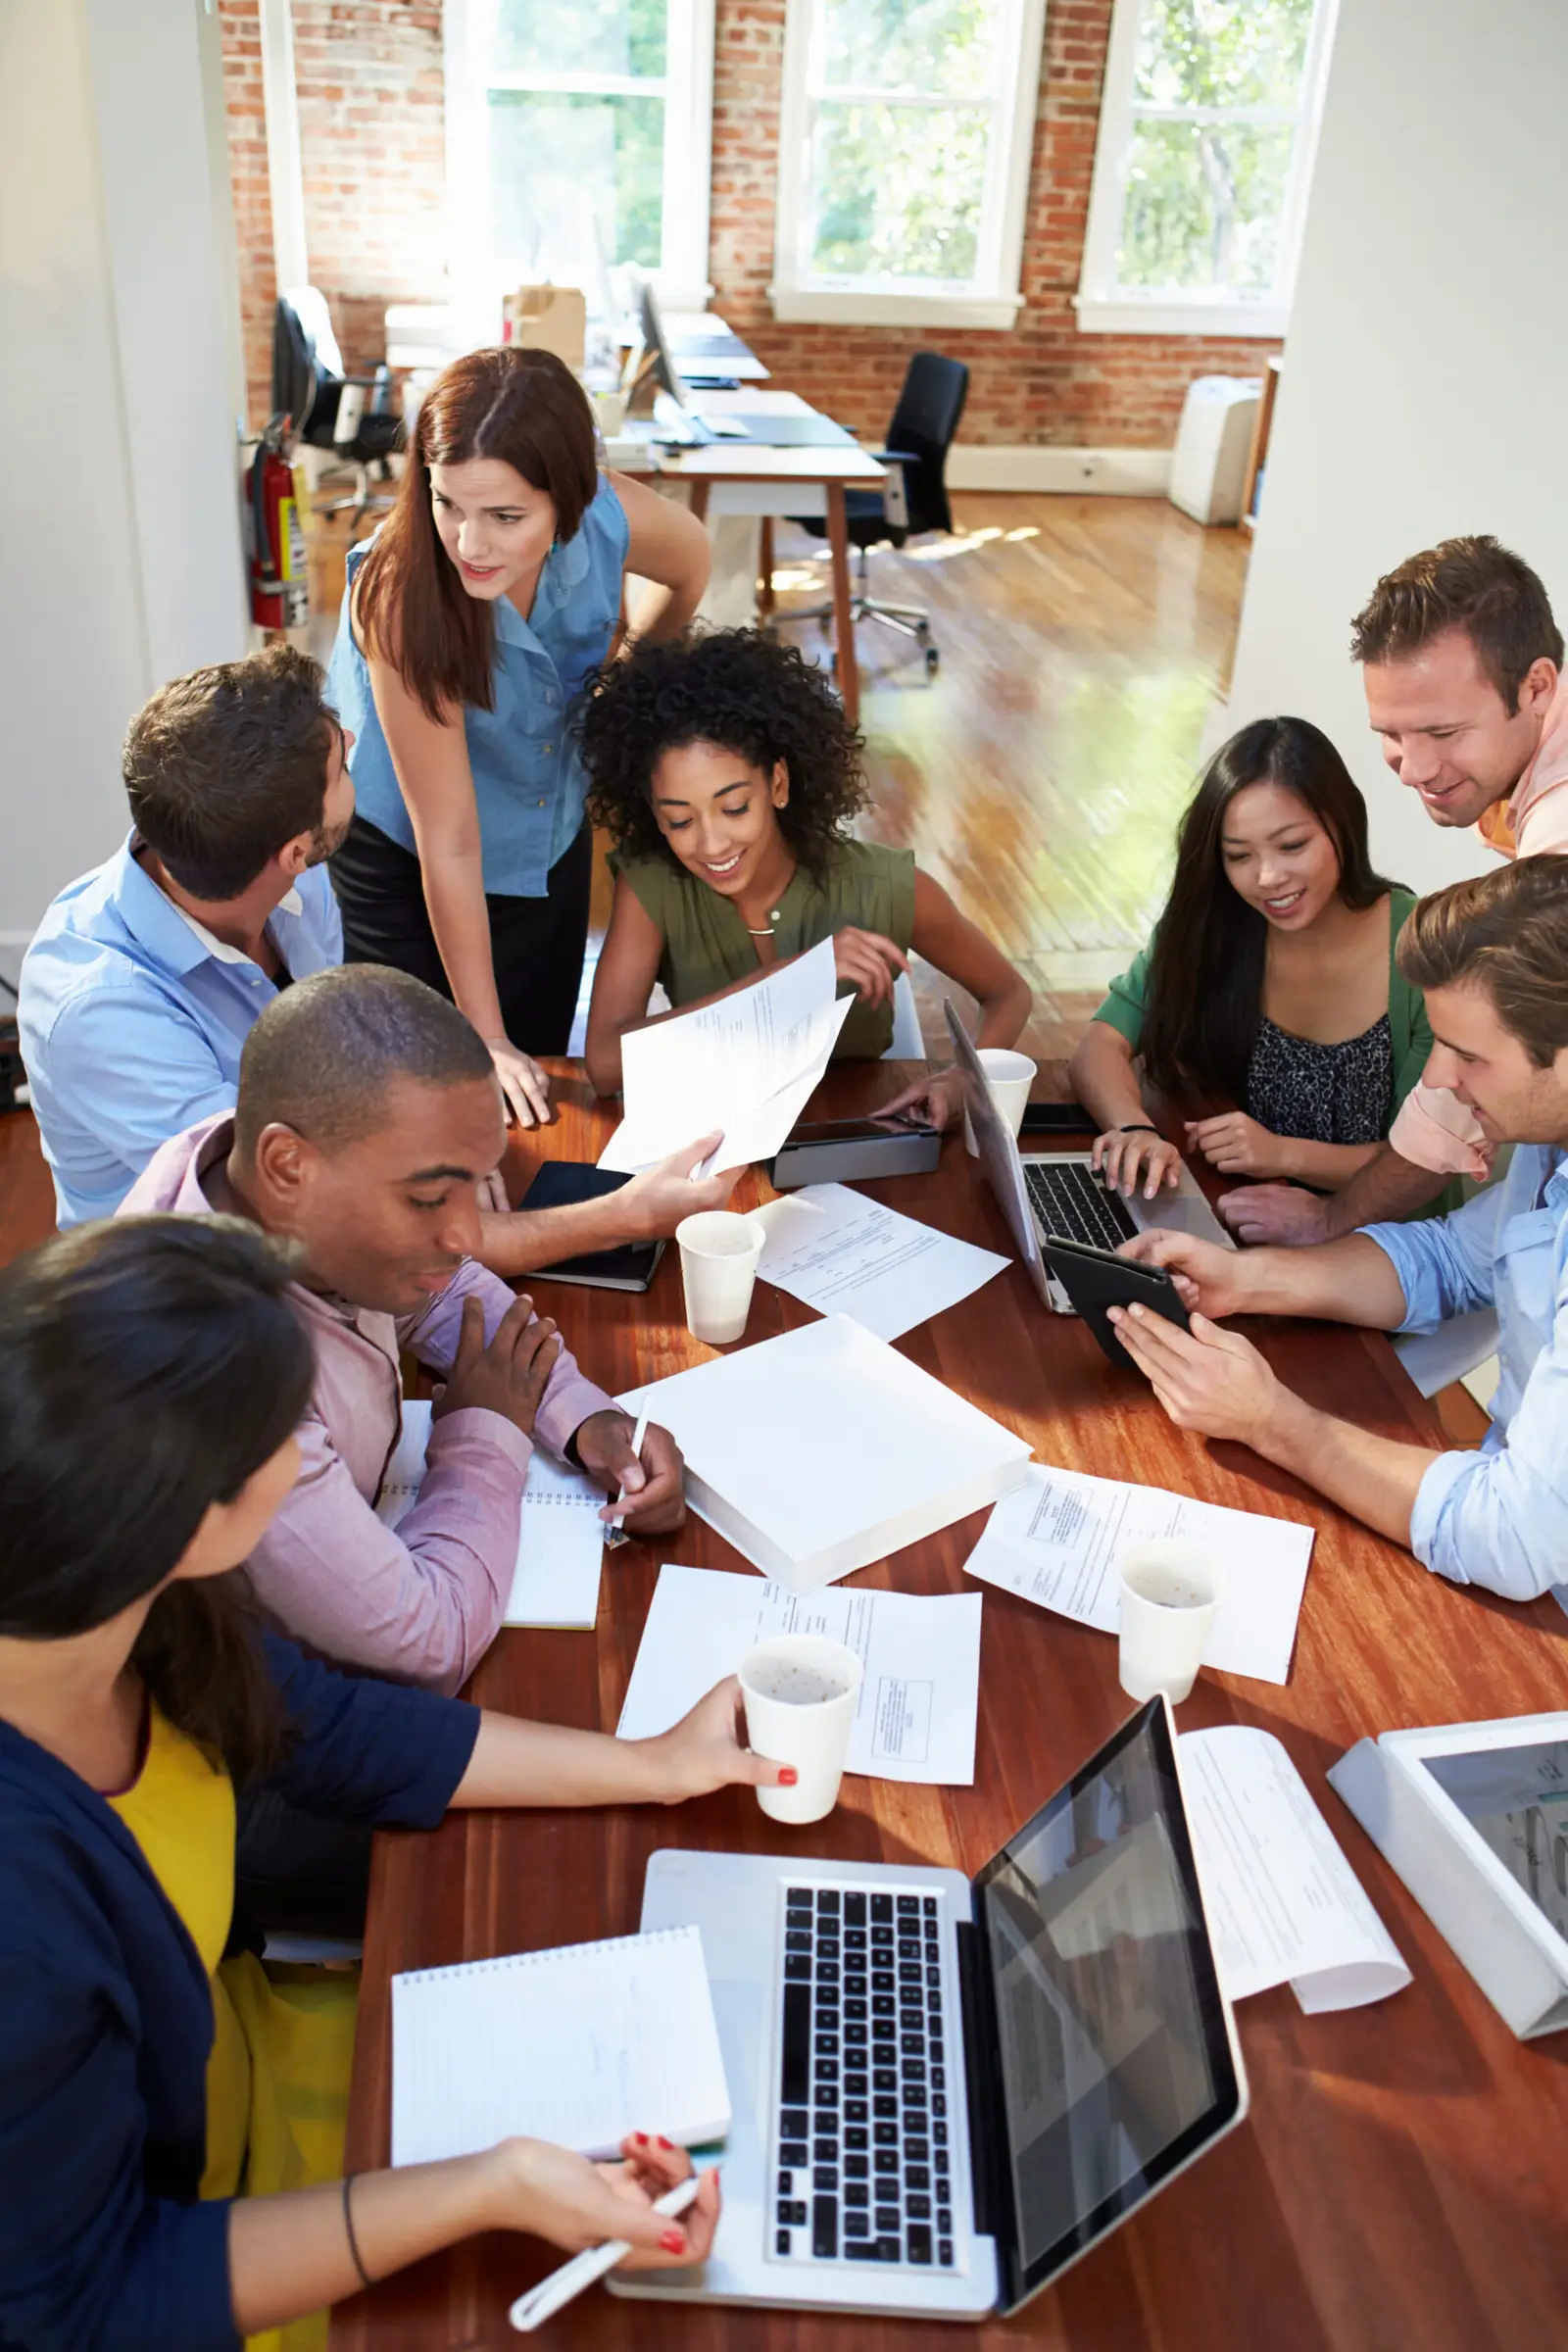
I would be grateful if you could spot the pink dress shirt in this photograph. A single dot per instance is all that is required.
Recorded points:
(424, 1602)
(1434, 1128)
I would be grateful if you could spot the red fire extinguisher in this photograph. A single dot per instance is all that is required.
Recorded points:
(279, 590)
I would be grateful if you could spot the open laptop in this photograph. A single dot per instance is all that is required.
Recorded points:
(1042, 1193)
(946, 2092)
(678, 413)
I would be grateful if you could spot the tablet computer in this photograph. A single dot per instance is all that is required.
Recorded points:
(1096, 1280)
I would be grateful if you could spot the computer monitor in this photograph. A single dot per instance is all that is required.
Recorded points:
(657, 342)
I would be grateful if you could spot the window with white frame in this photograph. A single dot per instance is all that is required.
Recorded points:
(1209, 126)
(578, 135)
(905, 139)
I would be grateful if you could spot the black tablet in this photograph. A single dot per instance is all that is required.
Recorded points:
(1096, 1280)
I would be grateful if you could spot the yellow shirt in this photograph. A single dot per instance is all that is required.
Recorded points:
(277, 2076)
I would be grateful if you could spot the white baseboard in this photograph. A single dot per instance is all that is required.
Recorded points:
(1114, 472)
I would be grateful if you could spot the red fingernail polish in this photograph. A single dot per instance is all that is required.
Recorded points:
(665, 2143)
(641, 2137)
(673, 2242)
(788, 1776)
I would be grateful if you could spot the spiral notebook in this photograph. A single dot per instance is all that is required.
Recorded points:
(560, 1542)
(579, 2046)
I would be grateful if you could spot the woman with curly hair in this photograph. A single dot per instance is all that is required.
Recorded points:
(727, 776)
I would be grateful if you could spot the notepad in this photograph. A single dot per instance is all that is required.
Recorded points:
(824, 1450)
(561, 1541)
(579, 2046)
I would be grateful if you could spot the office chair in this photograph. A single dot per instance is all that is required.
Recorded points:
(330, 408)
(913, 498)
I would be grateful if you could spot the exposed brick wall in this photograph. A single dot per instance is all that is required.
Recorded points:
(372, 142)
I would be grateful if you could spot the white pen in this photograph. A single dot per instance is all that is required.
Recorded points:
(543, 2301)
(614, 1533)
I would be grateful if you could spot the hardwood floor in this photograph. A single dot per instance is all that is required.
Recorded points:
(1039, 776)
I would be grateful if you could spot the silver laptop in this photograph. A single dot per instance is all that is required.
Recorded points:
(1041, 1193)
(946, 2092)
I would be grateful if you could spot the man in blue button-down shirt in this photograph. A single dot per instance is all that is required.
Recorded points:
(145, 976)
(1491, 957)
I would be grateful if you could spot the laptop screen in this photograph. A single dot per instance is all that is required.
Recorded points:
(1116, 2058)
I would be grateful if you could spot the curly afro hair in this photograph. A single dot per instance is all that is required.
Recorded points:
(732, 687)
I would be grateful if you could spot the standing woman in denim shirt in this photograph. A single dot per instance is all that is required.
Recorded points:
(470, 623)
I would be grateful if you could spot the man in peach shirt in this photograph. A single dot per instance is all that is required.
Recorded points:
(1463, 667)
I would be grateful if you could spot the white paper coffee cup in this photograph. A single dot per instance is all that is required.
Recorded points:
(1008, 1078)
(1169, 1593)
(801, 1692)
(718, 1253)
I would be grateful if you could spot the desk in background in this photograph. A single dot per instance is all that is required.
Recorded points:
(1398, 2184)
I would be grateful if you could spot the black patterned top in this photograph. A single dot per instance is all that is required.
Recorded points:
(1340, 1094)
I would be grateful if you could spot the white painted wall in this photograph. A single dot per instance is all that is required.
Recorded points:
(1425, 375)
(118, 388)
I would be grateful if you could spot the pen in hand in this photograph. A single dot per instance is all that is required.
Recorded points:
(614, 1533)
(543, 2301)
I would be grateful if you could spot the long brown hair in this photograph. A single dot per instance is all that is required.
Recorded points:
(1206, 967)
(524, 409)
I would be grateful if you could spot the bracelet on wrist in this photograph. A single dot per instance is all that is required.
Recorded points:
(1138, 1127)
(348, 2231)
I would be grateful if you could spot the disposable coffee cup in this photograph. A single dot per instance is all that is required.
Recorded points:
(1169, 1593)
(1008, 1078)
(801, 1693)
(718, 1253)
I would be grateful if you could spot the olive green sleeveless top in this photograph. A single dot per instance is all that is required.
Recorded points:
(707, 946)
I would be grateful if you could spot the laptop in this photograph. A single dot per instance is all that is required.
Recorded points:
(946, 2092)
(1041, 1194)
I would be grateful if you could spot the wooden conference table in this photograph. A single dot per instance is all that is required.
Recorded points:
(1398, 2184)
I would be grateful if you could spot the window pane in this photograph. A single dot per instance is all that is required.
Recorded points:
(583, 36)
(553, 160)
(1213, 53)
(925, 45)
(1203, 207)
(898, 191)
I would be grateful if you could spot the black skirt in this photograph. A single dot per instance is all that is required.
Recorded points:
(536, 945)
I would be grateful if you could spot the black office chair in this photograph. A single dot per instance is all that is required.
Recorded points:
(915, 496)
(351, 416)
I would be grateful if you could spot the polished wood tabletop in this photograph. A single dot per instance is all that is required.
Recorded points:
(1398, 2183)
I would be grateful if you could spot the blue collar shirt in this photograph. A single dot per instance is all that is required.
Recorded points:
(1499, 1517)
(134, 1015)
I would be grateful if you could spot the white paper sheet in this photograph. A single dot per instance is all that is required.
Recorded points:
(746, 1065)
(918, 1702)
(847, 1255)
(1056, 1539)
(1283, 1903)
(560, 1542)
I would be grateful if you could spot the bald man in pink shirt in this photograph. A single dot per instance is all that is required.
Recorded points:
(1462, 662)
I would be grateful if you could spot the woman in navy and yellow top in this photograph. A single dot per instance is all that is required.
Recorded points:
(470, 623)
(172, 2119)
(727, 775)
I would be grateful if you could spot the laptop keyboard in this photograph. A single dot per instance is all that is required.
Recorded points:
(1072, 1201)
(861, 2150)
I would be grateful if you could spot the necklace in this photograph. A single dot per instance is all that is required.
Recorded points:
(764, 934)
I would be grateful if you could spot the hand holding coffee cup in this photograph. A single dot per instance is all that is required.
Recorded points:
(801, 1692)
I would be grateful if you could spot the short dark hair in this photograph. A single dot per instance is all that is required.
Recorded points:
(1506, 932)
(149, 1367)
(1471, 584)
(324, 1052)
(227, 764)
(749, 694)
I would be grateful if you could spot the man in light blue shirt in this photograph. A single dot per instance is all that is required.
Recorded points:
(1491, 957)
(146, 975)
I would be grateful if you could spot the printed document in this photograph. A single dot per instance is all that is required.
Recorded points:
(918, 1702)
(1283, 1903)
(1057, 1540)
(560, 1542)
(746, 1065)
(847, 1255)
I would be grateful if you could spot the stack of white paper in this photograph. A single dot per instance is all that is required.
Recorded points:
(560, 1542)
(1058, 1538)
(824, 1450)
(579, 2046)
(847, 1255)
(746, 1065)
(1283, 1903)
(918, 1702)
